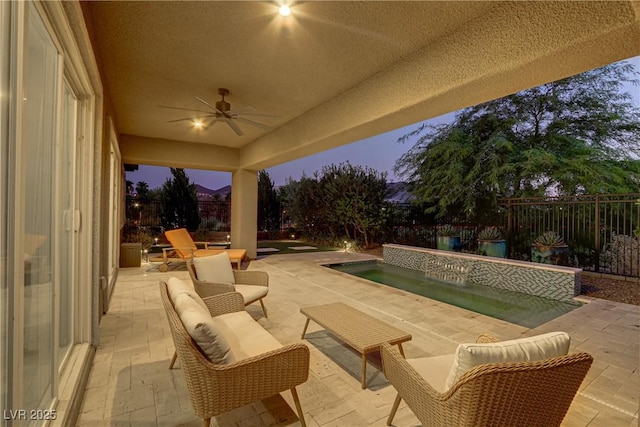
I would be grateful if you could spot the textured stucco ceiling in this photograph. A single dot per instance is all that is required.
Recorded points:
(333, 72)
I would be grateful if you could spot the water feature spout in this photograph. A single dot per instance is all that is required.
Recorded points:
(446, 271)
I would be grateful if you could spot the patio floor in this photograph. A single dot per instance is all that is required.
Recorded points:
(130, 383)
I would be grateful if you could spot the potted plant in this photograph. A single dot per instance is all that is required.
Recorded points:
(550, 248)
(448, 238)
(491, 243)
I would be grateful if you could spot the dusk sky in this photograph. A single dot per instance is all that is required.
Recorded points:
(379, 152)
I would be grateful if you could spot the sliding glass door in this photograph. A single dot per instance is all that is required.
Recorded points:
(38, 170)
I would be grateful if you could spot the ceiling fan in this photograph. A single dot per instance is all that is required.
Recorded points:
(222, 112)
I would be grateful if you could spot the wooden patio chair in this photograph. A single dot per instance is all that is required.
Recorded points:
(183, 248)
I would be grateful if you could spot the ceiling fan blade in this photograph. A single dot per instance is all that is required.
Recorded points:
(208, 105)
(235, 127)
(249, 111)
(253, 123)
(182, 120)
(211, 123)
(184, 109)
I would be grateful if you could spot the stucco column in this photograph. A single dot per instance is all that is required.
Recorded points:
(244, 210)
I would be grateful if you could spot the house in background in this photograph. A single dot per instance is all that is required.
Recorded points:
(87, 87)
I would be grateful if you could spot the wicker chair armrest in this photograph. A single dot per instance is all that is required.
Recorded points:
(251, 277)
(277, 370)
(229, 302)
(486, 339)
(207, 289)
(420, 396)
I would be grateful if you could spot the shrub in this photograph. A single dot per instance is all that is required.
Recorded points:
(549, 238)
(623, 255)
(490, 233)
(447, 230)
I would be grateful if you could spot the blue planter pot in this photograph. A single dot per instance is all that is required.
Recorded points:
(494, 248)
(555, 255)
(449, 243)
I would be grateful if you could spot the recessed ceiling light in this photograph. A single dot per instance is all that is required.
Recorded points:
(284, 10)
(198, 124)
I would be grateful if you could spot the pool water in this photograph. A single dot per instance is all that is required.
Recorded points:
(514, 307)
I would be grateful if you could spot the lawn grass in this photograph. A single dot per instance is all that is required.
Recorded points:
(284, 245)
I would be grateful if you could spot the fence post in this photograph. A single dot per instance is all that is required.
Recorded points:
(597, 232)
(509, 228)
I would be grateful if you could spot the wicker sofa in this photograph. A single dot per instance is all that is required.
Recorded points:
(444, 391)
(256, 367)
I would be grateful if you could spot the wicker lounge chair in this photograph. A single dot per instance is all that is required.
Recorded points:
(494, 394)
(218, 388)
(252, 285)
(183, 248)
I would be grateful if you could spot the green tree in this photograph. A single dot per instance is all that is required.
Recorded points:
(578, 135)
(302, 201)
(143, 194)
(341, 201)
(268, 205)
(355, 197)
(179, 202)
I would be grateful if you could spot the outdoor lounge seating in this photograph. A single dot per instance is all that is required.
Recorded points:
(252, 285)
(183, 248)
(483, 385)
(227, 358)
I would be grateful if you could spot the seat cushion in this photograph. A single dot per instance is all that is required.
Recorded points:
(177, 286)
(214, 268)
(434, 370)
(245, 336)
(203, 329)
(539, 347)
(251, 293)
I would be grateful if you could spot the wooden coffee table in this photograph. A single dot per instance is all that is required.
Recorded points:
(358, 330)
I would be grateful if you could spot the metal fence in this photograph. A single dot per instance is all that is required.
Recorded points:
(599, 229)
(215, 215)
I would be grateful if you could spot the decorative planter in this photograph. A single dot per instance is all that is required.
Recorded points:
(555, 255)
(449, 243)
(494, 248)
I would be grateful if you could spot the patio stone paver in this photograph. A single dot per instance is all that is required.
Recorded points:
(130, 383)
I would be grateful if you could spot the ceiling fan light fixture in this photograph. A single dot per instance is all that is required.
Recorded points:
(284, 10)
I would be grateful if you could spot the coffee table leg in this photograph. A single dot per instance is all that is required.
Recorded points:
(364, 370)
(401, 350)
(304, 331)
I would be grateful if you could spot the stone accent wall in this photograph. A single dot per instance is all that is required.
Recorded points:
(552, 282)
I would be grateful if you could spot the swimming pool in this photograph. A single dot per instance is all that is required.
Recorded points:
(514, 307)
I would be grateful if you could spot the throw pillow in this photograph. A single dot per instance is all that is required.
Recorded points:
(176, 286)
(215, 268)
(203, 330)
(539, 347)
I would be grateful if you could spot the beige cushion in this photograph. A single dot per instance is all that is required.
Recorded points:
(203, 329)
(434, 370)
(215, 268)
(540, 347)
(246, 337)
(251, 293)
(176, 286)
